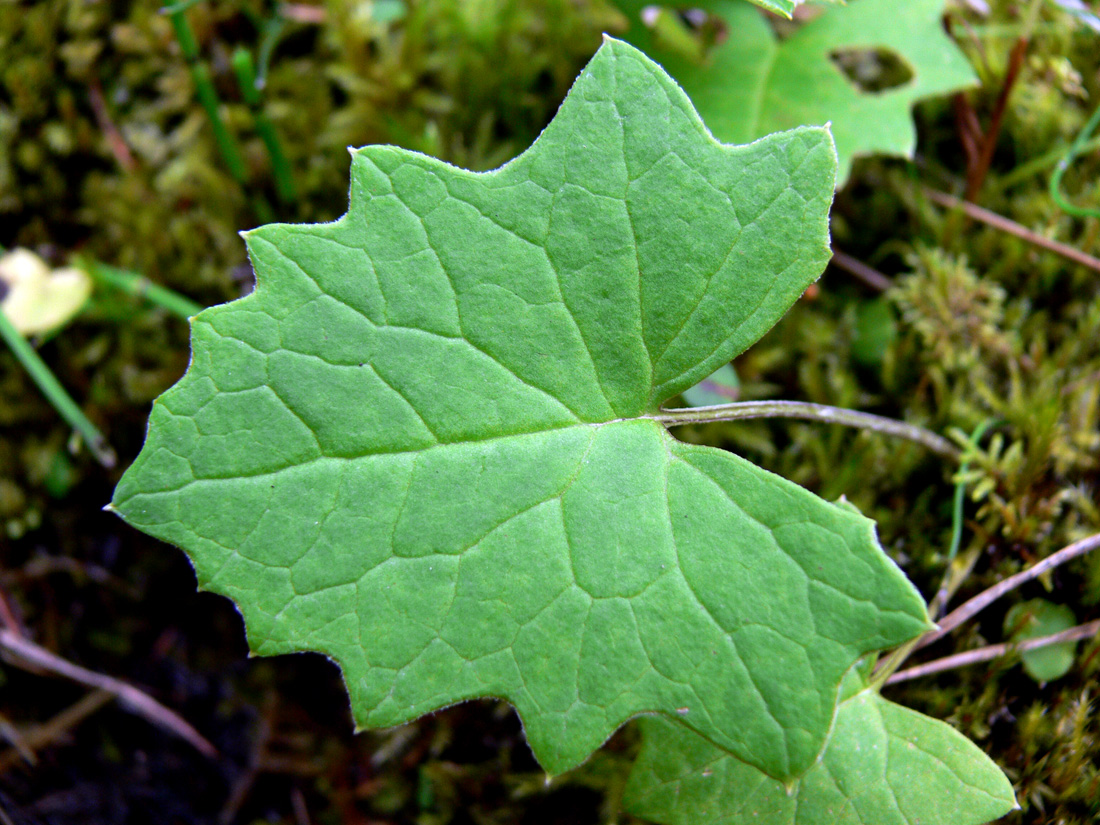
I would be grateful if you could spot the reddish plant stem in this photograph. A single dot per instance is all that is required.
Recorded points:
(975, 175)
(119, 148)
(970, 131)
(7, 615)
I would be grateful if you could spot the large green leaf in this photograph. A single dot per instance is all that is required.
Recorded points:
(753, 84)
(884, 765)
(424, 445)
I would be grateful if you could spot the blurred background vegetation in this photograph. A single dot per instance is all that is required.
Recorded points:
(108, 155)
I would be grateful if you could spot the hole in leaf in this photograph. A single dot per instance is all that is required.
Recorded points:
(872, 70)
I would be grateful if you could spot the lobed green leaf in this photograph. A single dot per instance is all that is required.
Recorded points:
(424, 446)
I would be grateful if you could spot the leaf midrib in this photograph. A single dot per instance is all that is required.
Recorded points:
(394, 453)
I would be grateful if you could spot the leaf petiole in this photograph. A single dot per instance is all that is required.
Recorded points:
(887, 668)
(743, 410)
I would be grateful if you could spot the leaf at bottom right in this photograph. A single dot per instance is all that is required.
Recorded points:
(883, 765)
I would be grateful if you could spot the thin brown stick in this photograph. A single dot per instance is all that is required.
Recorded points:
(975, 174)
(1012, 228)
(861, 271)
(115, 140)
(970, 131)
(985, 654)
(43, 735)
(7, 615)
(16, 739)
(973, 606)
(134, 700)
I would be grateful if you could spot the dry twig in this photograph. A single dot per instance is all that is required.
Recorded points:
(868, 274)
(985, 654)
(971, 607)
(23, 651)
(43, 735)
(1011, 227)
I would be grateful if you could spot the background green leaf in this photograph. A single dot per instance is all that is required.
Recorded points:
(876, 329)
(883, 765)
(753, 84)
(720, 387)
(1035, 618)
(422, 445)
